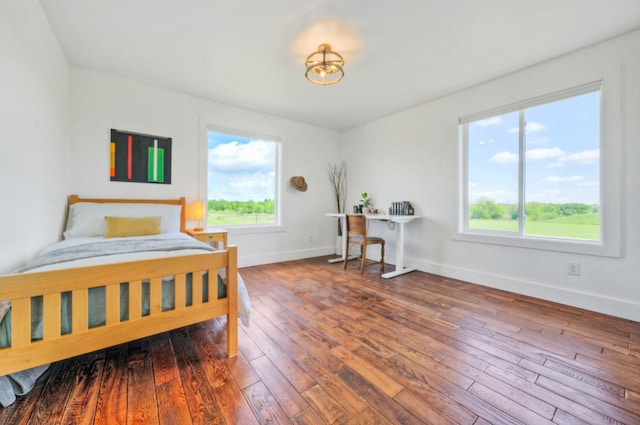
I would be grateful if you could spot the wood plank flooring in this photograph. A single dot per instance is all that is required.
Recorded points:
(333, 347)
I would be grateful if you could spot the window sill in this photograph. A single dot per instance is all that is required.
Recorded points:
(248, 229)
(597, 248)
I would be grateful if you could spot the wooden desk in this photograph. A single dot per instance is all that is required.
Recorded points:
(401, 220)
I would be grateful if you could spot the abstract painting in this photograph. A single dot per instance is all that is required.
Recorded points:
(139, 158)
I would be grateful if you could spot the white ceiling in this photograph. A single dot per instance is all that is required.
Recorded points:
(398, 54)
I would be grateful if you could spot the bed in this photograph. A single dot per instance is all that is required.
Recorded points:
(125, 270)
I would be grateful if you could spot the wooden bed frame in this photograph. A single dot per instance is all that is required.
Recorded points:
(20, 288)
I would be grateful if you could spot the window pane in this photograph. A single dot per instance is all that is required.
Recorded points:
(241, 180)
(493, 163)
(562, 173)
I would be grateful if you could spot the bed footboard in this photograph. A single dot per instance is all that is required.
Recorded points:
(55, 345)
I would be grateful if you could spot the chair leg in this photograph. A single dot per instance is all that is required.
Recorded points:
(346, 258)
(363, 251)
(382, 257)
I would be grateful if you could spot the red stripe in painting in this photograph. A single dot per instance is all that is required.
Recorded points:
(129, 150)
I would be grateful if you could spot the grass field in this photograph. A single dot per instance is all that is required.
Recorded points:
(225, 218)
(577, 226)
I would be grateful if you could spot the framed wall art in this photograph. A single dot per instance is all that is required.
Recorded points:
(139, 158)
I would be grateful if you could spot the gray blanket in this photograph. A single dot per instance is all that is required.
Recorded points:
(113, 247)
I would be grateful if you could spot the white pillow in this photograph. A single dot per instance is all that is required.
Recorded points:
(87, 218)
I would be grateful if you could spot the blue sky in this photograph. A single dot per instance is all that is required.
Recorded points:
(562, 157)
(240, 168)
(561, 153)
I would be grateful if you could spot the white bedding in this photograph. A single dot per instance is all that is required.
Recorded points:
(114, 258)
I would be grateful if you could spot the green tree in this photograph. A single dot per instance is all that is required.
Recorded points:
(242, 207)
(486, 209)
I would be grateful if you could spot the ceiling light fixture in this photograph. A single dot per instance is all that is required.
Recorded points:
(324, 67)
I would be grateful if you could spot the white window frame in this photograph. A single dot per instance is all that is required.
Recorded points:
(278, 226)
(609, 243)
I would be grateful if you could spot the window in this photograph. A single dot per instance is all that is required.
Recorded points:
(532, 170)
(242, 180)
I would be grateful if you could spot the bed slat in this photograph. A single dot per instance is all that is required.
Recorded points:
(180, 291)
(112, 297)
(135, 299)
(80, 309)
(51, 317)
(196, 291)
(20, 314)
(155, 296)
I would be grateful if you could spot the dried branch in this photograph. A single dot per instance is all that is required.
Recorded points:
(338, 179)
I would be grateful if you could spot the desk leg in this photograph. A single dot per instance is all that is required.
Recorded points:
(400, 268)
(345, 247)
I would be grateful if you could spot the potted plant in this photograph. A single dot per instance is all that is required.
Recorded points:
(366, 203)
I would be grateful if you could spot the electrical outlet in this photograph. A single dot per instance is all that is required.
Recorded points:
(573, 269)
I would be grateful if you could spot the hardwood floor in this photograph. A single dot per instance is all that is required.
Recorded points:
(332, 347)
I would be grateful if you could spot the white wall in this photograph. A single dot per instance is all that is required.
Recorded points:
(413, 155)
(100, 103)
(34, 148)
(408, 156)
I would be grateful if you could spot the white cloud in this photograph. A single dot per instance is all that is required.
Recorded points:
(544, 153)
(562, 179)
(242, 171)
(531, 127)
(482, 142)
(234, 157)
(584, 158)
(504, 158)
(534, 127)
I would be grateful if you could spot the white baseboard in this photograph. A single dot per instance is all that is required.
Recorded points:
(277, 257)
(589, 301)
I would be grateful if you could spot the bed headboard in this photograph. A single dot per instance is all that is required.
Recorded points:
(181, 201)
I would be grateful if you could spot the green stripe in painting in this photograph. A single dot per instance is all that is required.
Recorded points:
(158, 167)
(150, 164)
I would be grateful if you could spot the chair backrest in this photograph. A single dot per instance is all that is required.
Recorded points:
(356, 225)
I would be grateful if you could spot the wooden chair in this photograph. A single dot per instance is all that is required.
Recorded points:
(357, 234)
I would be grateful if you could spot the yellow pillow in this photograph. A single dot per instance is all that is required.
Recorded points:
(131, 226)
